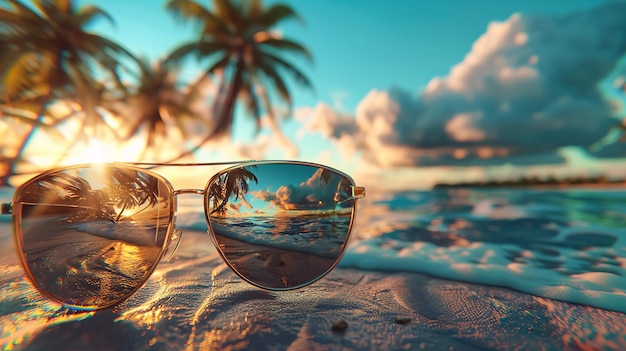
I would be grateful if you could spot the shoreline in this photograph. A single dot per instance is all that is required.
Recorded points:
(512, 185)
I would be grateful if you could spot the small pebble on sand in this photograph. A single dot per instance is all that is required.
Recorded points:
(402, 320)
(340, 326)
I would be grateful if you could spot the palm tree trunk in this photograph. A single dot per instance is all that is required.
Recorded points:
(13, 161)
(225, 117)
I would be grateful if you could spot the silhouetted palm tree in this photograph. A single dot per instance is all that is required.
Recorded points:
(124, 188)
(233, 183)
(158, 105)
(47, 55)
(130, 188)
(238, 37)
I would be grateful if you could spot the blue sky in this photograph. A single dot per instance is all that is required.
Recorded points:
(357, 45)
(373, 63)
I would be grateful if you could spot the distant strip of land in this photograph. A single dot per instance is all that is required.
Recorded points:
(600, 181)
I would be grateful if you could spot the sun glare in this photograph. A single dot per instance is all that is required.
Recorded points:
(95, 151)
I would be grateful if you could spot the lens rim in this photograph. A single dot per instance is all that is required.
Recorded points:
(18, 235)
(211, 232)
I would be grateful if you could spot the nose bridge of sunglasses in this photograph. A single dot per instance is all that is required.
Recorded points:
(188, 191)
(173, 244)
(177, 233)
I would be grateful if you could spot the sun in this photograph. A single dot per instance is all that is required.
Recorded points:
(98, 151)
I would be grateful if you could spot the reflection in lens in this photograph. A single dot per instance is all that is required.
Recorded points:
(280, 226)
(90, 236)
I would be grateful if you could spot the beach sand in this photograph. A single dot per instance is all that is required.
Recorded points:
(195, 302)
(84, 269)
(273, 267)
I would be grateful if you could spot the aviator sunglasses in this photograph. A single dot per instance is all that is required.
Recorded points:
(89, 236)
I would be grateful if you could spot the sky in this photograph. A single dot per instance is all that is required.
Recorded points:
(410, 93)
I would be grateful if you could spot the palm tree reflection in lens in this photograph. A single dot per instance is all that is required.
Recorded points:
(280, 226)
(91, 236)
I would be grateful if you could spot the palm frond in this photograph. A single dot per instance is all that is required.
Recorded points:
(277, 13)
(16, 22)
(189, 9)
(52, 8)
(288, 45)
(232, 17)
(299, 77)
(26, 14)
(106, 46)
(71, 187)
(181, 52)
(30, 119)
(90, 13)
(255, 10)
(279, 84)
(200, 48)
(19, 72)
(219, 64)
(251, 102)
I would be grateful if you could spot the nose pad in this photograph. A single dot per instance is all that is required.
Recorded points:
(175, 239)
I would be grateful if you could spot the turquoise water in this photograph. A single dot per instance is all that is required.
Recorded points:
(6, 194)
(562, 244)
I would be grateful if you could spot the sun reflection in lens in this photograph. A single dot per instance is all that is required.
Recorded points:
(128, 258)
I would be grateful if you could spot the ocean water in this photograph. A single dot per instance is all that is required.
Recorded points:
(565, 244)
(320, 235)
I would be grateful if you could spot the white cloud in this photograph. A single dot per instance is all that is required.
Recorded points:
(461, 128)
(528, 87)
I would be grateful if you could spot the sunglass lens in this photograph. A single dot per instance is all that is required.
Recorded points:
(278, 225)
(90, 236)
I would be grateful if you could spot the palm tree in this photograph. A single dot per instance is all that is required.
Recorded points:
(65, 193)
(237, 37)
(231, 183)
(130, 188)
(157, 105)
(48, 55)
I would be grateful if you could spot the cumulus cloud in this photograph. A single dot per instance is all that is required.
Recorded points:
(529, 86)
(461, 128)
(312, 194)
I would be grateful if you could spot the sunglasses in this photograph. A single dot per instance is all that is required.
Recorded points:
(89, 236)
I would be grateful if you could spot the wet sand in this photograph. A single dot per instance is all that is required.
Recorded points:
(195, 302)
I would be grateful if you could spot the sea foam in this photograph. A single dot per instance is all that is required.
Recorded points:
(565, 245)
